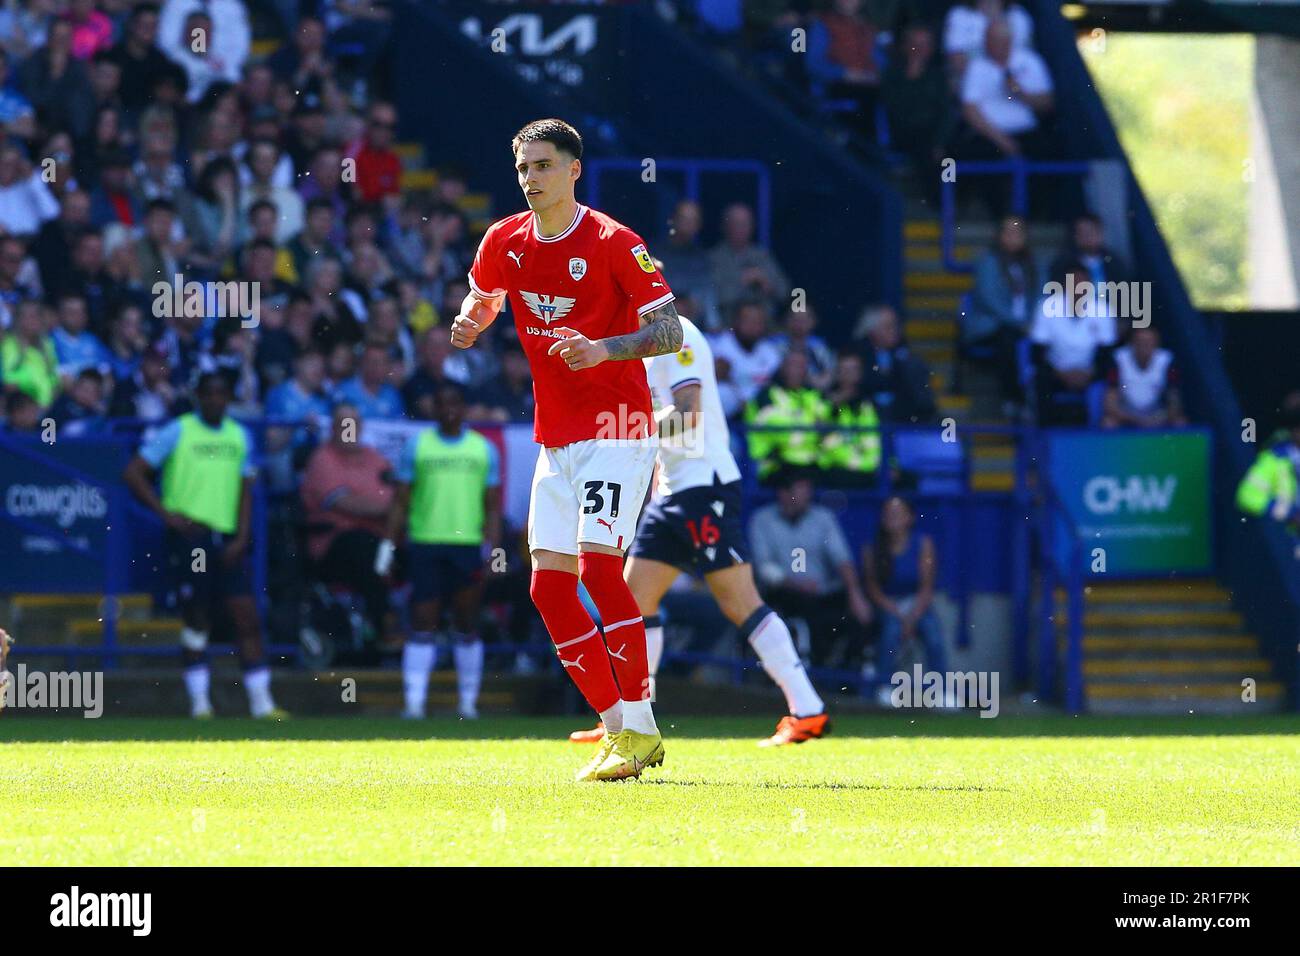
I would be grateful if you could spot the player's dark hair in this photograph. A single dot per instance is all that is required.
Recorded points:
(558, 133)
(207, 378)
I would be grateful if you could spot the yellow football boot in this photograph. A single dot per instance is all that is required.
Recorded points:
(627, 754)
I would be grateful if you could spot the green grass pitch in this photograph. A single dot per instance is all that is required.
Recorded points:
(890, 789)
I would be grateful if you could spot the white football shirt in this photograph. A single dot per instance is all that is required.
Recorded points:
(691, 460)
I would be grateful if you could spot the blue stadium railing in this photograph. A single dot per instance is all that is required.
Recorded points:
(692, 172)
(950, 502)
(1019, 170)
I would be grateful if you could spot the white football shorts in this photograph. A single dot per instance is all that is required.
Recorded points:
(590, 491)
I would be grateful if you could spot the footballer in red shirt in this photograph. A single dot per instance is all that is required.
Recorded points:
(589, 306)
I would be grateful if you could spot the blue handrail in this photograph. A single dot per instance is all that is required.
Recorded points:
(693, 168)
(1018, 169)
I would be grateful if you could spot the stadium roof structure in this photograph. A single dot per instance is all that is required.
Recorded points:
(1187, 16)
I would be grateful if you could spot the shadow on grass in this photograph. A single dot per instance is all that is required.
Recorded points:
(17, 727)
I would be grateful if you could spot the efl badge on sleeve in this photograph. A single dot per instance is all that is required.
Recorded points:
(642, 256)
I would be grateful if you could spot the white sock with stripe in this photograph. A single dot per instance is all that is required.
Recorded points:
(774, 646)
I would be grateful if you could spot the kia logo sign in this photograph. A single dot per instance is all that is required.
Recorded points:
(1109, 494)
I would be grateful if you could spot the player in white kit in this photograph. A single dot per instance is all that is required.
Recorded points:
(694, 525)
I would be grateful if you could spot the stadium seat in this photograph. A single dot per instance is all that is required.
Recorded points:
(1095, 399)
(939, 465)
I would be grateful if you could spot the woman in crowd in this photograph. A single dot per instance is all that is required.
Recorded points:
(1001, 306)
(899, 570)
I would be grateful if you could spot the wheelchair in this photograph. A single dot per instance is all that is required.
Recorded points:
(334, 626)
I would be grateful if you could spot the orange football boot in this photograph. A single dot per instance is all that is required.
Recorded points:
(593, 736)
(795, 730)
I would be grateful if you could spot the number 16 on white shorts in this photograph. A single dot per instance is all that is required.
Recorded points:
(589, 491)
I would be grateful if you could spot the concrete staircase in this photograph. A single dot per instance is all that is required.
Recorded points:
(1170, 647)
(932, 301)
(418, 176)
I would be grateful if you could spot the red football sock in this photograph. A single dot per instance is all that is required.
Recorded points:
(624, 627)
(574, 634)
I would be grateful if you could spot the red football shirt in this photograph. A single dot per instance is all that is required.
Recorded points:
(595, 277)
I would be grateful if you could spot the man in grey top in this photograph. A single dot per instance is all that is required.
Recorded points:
(805, 570)
(742, 269)
(690, 266)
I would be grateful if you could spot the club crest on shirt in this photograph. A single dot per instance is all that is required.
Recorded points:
(642, 256)
(548, 308)
(577, 268)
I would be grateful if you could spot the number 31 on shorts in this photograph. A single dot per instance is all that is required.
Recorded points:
(596, 499)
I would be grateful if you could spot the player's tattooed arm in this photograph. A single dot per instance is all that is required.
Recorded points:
(660, 333)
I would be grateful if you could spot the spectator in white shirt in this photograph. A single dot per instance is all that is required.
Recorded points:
(1072, 336)
(263, 159)
(1143, 390)
(1005, 94)
(745, 356)
(965, 27)
(25, 201)
(228, 37)
(198, 49)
